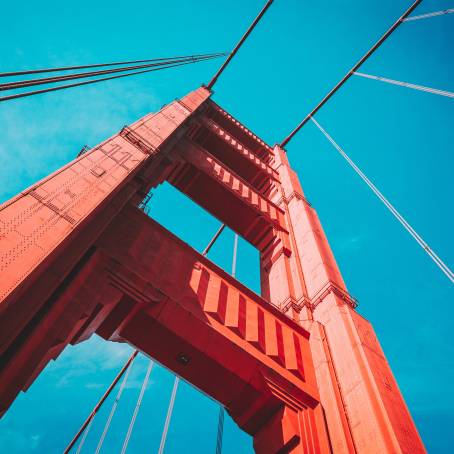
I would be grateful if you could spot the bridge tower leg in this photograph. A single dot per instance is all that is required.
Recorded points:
(364, 409)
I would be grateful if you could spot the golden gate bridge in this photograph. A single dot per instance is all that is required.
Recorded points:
(296, 367)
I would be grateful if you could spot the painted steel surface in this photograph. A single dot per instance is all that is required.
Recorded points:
(297, 367)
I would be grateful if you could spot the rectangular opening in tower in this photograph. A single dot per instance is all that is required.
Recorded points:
(195, 226)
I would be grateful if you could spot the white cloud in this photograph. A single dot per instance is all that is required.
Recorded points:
(42, 133)
(350, 243)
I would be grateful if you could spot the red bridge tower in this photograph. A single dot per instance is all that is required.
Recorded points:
(297, 367)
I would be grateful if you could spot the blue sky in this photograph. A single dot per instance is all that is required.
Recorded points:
(401, 138)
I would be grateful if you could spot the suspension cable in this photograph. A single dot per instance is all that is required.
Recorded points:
(213, 240)
(347, 76)
(434, 91)
(78, 84)
(101, 401)
(425, 16)
(177, 379)
(84, 437)
(113, 409)
(443, 267)
(98, 65)
(48, 80)
(136, 409)
(234, 255)
(169, 415)
(220, 432)
(240, 43)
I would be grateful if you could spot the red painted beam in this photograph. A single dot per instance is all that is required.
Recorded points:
(229, 198)
(237, 129)
(206, 326)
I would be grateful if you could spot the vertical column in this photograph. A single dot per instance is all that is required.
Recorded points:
(364, 409)
(281, 278)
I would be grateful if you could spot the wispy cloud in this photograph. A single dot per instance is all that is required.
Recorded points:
(87, 359)
(351, 243)
(19, 441)
(33, 145)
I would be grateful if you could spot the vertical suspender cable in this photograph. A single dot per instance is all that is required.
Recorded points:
(84, 437)
(443, 267)
(112, 411)
(235, 251)
(220, 430)
(136, 410)
(221, 408)
(168, 416)
(100, 402)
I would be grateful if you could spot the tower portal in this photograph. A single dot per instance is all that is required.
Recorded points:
(297, 367)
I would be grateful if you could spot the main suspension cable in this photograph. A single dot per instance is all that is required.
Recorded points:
(443, 267)
(48, 80)
(434, 91)
(97, 65)
(101, 401)
(78, 84)
(240, 43)
(137, 408)
(347, 76)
